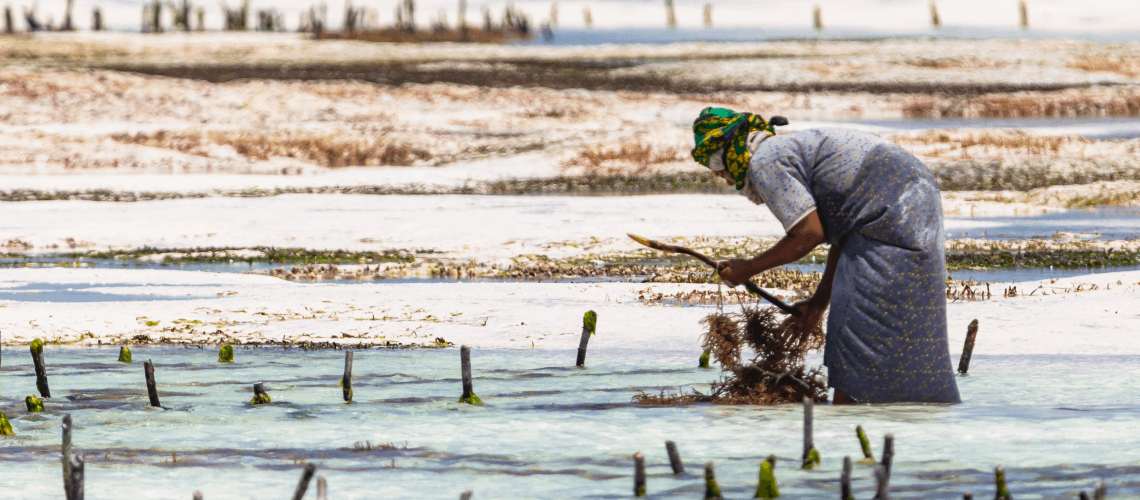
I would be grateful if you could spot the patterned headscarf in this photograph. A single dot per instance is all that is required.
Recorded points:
(718, 128)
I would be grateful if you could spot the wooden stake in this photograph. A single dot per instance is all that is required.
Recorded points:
(968, 349)
(767, 487)
(260, 397)
(708, 16)
(151, 389)
(124, 355)
(865, 443)
(306, 476)
(65, 455)
(638, 474)
(322, 488)
(704, 362)
(670, 15)
(1083, 496)
(888, 453)
(967, 496)
(76, 492)
(346, 380)
(589, 327)
(468, 396)
(197, 495)
(1100, 492)
(1023, 11)
(674, 458)
(711, 489)
(845, 480)
(936, 21)
(466, 495)
(999, 482)
(37, 349)
(811, 456)
(882, 483)
(817, 18)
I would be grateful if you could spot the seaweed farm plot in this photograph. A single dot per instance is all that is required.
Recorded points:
(1057, 423)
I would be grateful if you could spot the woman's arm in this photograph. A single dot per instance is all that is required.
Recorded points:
(800, 241)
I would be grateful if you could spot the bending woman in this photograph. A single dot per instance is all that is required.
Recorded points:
(879, 208)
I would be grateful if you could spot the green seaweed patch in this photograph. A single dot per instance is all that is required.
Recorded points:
(812, 460)
(1002, 489)
(260, 399)
(471, 399)
(341, 384)
(5, 426)
(37, 347)
(712, 490)
(590, 321)
(34, 404)
(124, 355)
(226, 354)
(152, 323)
(1041, 258)
(768, 487)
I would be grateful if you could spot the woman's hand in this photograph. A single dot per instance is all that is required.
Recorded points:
(734, 271)
(811, 313)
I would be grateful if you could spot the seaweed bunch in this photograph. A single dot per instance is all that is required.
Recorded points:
(777, 373)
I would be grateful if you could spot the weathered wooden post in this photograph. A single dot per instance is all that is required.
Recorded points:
(868, 457)
(674, 458)
(1023, 14)
(322, 488)
(970, 496)
(670, 15)
(638, 474)
(124, 355)
(65, 455)
(1101, 491)
(76, 492)
(1002, 492)
(888, 453)
(811, 455)
(303, 486)
(197, 495)
(8, 26)
(711, 489)
(767, 487)
(589, 327)
(968, 349)
(936, 21)
(845, 480)
(882, 483)
(468, 396)
(708, 16)
(151, 388)
(346, 380)
(37, 349)
(466, 495)
(817, 18)
(260, 397)
(1080, 496)
(587, 17)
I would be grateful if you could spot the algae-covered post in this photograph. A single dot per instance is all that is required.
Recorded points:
(124, 355)
(767, 487)
(888, 453)
(845, 480)
(322, 488)
(711, 488)
(260, 397)
(968, 349)
(468, 396)
(811, 455)
(226, 354)
(34, 404)
(37, 349)
(151, 388)
(5, 426)
(1002, 492)
(589, 326)
(65, 455)
(638, 474)
(704, 362)
(674, 458)
(466, 495)
(882, 483)
(868, 457)
(303, 485)
(346, 380)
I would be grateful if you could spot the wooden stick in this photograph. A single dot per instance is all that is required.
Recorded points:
(704, 360)
(260, 397)
(197, 495)
(967, 496)
(322, 488)
(638, 474)
(151, 389)
(845, 480)
(37, 349)
(882, 483)
(674, 458)
(65, 455)
(466, 495)
(968, 349)
(589, 326)
(1081, 496)
(999, 483)
(1101, 491)
(303, 486)
(76, 492)
(811, 456)
(711, 489)
(468, 396)
(748, 285)
(346, 380)
(865, 443)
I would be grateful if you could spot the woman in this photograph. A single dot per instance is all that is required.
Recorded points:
(879, 208)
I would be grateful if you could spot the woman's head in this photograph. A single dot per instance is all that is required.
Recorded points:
(721, 137)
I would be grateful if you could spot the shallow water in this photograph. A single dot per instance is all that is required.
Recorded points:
(768, 33)
(547, 430)
(1104, 223)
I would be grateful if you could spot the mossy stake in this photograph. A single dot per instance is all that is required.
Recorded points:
(468, 396)
(260, 397)
(812, 460)
(589, 328)
(34, 404)
(711, 489)
(226, 354)
(704, 360)
(868, 457)
(124, 355)
(5, 426)
(767, 487)
(1002, 489)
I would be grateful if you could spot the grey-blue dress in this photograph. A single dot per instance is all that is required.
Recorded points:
(886, 332)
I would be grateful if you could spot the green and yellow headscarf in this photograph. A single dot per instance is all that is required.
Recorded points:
(718, 128)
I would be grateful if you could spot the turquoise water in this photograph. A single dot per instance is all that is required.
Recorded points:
(547, 430)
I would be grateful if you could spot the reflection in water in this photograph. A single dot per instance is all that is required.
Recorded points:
(1058, 423)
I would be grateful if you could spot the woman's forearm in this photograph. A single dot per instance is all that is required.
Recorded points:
(800, 241)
